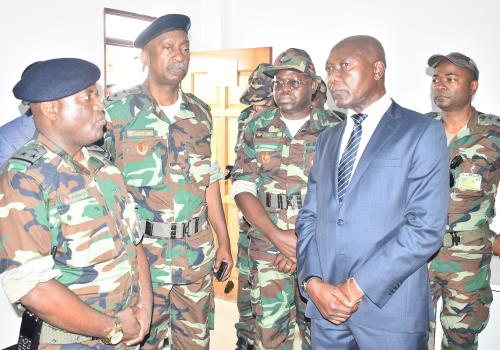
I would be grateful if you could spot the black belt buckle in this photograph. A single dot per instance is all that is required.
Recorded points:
(455, 238)
(185, 229)
(148, 229)
(173, 230)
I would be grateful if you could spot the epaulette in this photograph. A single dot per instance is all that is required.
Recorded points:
(99, 151)
(29, 154)
(120, 95)
(198, 101)
(489, 119)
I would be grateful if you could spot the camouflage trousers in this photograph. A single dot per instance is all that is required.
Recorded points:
(245, 327)
(461, 276)
(185, 312)
(277, 305)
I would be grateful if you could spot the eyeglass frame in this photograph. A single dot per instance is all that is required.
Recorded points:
(280, 84)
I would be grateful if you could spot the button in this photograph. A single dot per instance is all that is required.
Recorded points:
(340, 222)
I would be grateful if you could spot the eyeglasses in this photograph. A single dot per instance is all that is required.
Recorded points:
(293, 84)
(455, 162)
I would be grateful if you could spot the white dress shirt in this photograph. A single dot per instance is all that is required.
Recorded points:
(374, 113)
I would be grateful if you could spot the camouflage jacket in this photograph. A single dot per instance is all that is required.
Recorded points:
(49, 199)
(166, 164)
(278, 163)
(472, 203)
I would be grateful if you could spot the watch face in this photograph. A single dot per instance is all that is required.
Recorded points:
(116, 338)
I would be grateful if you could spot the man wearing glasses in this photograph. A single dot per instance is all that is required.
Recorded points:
(460, 273)
(273, 161)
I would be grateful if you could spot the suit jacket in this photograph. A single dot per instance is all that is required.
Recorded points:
(391, 220)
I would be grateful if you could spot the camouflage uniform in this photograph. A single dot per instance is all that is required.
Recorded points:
(167, 168)
(278, 164)
(460, 273)
(49, 199)
(259, 92)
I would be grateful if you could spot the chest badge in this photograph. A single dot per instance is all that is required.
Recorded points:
(142, 148)
(266, 157)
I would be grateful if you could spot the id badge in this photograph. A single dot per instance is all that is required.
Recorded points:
(469, 182)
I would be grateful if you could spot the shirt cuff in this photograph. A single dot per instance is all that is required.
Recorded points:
(216, 173)
(21, 280)
(240, 186)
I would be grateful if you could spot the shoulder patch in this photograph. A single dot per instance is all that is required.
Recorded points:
(29, 154)
(489, 119)
(198, 101)
(120, 95)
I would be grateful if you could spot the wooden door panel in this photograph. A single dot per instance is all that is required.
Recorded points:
(225, 108)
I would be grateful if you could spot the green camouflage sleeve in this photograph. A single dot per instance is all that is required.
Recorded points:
(246, 167)
(24, 221)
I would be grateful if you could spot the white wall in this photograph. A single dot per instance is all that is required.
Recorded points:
(410, 31)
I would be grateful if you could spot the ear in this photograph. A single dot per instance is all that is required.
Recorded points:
(144, 59)
(378, 70)
(473, 87)
(49, 110)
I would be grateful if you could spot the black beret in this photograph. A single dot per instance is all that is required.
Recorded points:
(161, 25)
(55, 79)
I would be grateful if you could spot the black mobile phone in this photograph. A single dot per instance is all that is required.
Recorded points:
(29, 334)
(221, 271)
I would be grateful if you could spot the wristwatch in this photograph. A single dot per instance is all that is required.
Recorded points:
(304, 284)
(115, 335)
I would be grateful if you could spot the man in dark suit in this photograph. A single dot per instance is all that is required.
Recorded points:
(374, 213)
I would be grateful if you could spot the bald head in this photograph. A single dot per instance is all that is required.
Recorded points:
(365, 45)
(356, 71)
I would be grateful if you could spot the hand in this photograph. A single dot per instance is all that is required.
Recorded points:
(331, 302)
(352, 290)
(130, 325)
(286, 242)
(143, 316)
(496, 245)
(223, 254)
(284, 265)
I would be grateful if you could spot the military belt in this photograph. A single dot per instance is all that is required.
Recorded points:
(454, 238)
(281, 201)
(176, 230)
(52, 335)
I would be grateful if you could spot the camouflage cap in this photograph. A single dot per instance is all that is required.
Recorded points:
(260, 87)
(292, 59)
(458, 59)
(321, 86)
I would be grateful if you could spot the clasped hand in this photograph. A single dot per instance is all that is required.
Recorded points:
(336, 303)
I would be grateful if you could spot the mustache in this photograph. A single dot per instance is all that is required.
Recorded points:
(177, 65)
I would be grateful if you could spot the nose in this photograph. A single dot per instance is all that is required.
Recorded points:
(438, 84)
(98, 104)
(333, 76)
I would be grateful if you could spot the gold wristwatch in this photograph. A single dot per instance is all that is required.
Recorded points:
(115, 336)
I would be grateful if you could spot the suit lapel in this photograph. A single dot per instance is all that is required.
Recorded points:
(387, 126)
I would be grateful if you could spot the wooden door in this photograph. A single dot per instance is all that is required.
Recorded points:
(219, 78)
